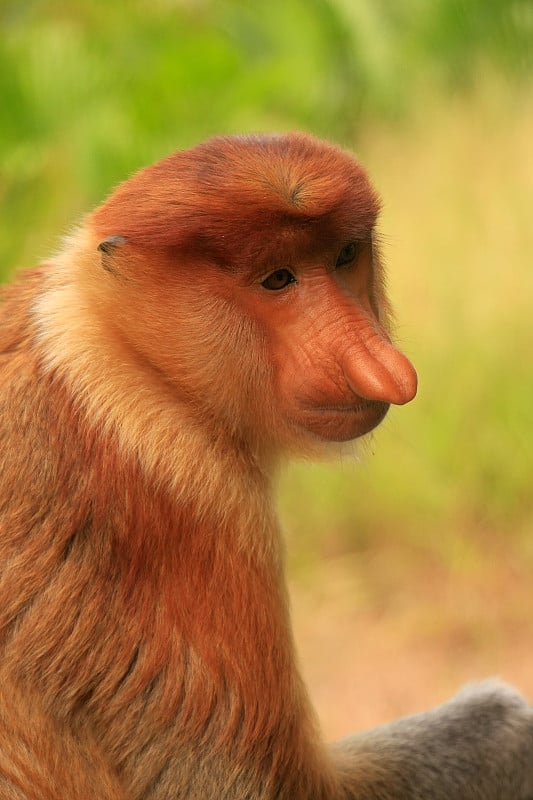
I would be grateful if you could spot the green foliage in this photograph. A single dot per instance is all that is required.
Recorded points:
(90, 90)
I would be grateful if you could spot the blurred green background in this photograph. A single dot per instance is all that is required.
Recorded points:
(436, 99)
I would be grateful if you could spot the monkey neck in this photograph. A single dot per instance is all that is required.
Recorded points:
(199, 461)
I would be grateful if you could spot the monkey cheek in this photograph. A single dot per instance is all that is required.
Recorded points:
(342, 424)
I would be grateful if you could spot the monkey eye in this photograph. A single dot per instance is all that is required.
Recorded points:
(346, 255)
(278, 280)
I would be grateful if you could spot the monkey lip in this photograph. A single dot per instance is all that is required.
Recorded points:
(341, 422)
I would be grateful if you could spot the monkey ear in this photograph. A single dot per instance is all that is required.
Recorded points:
(107, 248)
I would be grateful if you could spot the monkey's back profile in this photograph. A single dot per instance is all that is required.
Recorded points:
(221, 310)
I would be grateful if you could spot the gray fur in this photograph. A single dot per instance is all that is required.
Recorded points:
(477, 746)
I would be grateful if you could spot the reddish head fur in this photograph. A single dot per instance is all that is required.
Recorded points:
(226, 196)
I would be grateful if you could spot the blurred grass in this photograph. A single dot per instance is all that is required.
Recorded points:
(436, 98)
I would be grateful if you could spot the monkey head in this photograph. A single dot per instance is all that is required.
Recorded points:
(245, 274)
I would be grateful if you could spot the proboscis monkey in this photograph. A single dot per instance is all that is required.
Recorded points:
(221, 309)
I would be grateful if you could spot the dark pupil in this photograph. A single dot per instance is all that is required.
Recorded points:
(346, 254)
(278, 279)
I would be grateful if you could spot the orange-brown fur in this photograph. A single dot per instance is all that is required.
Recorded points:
(110, 595)
(147, 391)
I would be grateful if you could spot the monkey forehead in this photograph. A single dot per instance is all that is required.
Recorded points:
(293, 174)
(232, 186)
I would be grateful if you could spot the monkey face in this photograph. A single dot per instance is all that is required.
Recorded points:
(252, 276)
(335, 371)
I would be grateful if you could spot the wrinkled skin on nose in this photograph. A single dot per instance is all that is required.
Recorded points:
(338, 369)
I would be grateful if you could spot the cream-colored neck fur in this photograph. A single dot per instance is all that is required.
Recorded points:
(121, 398)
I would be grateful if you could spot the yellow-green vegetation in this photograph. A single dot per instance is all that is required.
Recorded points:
(436, 98)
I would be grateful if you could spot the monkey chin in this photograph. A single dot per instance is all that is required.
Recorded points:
(337, 423)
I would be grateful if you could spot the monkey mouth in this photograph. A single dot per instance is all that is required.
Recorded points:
(341, 422)
(342, 408)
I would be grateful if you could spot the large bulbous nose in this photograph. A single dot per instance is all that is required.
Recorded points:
(376, 370)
